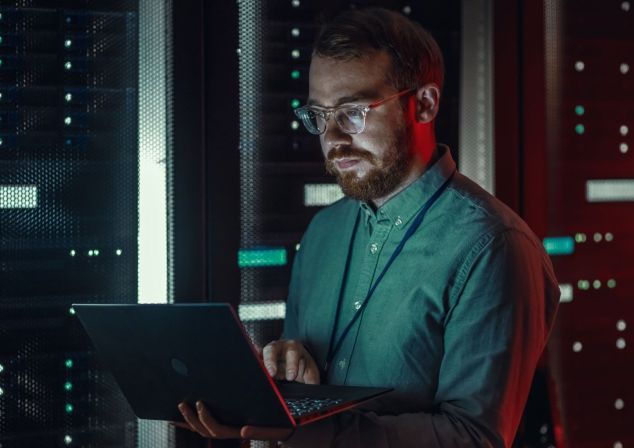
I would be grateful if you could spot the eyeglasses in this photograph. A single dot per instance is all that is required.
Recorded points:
(351, 119)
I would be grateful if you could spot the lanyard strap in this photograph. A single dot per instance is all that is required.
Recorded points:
(335, 346)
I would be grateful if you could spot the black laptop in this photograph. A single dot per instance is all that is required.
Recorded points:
(161, 355)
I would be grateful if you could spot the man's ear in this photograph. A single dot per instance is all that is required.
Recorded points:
(427, 103)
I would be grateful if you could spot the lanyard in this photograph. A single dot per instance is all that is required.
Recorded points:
(334, 346)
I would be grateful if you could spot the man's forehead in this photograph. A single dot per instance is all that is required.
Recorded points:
(333, 81)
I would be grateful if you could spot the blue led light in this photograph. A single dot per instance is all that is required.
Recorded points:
(262, 257)
(559, 245)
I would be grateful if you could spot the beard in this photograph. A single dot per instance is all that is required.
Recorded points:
(384, 176)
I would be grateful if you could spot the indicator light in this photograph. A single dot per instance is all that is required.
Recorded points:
(248, 258)
(562, 245)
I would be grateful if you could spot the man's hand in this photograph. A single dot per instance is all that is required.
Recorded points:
(289, 360)
(204, 424)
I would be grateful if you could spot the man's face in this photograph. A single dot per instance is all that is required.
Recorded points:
(372, 164)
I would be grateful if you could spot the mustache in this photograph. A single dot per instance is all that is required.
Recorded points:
(338, 153)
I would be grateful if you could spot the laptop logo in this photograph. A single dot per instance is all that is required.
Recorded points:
(180, 367)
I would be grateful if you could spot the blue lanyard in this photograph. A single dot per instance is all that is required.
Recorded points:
(335, 346)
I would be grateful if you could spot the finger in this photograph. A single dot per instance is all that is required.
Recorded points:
(216, 429)
(301, 370)
(292, 362)
(261, 433)
(311, 375)
(182, 425)
(270, 353)
(192, 419)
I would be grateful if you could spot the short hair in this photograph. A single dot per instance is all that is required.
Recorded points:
(416, 57)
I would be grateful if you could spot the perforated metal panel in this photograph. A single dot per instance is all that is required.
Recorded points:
(589, 46)
(68, 214)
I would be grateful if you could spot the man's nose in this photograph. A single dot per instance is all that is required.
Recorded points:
(334, 137)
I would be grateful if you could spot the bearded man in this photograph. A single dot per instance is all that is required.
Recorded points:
(418, 279)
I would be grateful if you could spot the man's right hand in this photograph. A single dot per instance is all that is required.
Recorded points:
(289, 360)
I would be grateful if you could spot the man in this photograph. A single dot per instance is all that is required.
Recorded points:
(418, 280)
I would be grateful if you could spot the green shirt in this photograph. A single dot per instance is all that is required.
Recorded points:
(456, 326)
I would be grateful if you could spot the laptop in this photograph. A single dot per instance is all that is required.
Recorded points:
(161, 355)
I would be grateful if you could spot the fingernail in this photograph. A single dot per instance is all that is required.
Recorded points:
(290, 375)
(199, 406)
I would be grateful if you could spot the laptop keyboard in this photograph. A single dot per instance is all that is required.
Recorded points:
(304, 406)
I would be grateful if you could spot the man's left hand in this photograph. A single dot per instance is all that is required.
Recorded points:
(202, 422)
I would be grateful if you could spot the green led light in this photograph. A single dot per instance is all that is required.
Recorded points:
(295, 74)
(580, 238)
(69, 363)
(68, 386)
(68, 439)
(580, 110)
(69, 408)
(561, 245)
(68, 65)
(611, 283)
(295, 103)
(1, 368)
(1, 62)
(68, 97)
(71, 311)
(255, 258)
(580, 129)
(1, 39)
(583, 285)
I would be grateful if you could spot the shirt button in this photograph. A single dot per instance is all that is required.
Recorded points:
(357, 305)
(398, 221)
(374, 248)
(342, 364)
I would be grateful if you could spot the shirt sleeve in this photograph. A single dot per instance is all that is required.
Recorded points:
(500, 311)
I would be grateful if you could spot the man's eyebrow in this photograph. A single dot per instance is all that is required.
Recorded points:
(362, 95)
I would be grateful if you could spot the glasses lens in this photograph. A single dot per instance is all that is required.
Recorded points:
(313, 122)
(351, 120)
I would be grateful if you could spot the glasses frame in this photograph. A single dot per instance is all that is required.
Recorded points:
(326, 112)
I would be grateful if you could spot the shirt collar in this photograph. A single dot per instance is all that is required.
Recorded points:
(401, 208)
